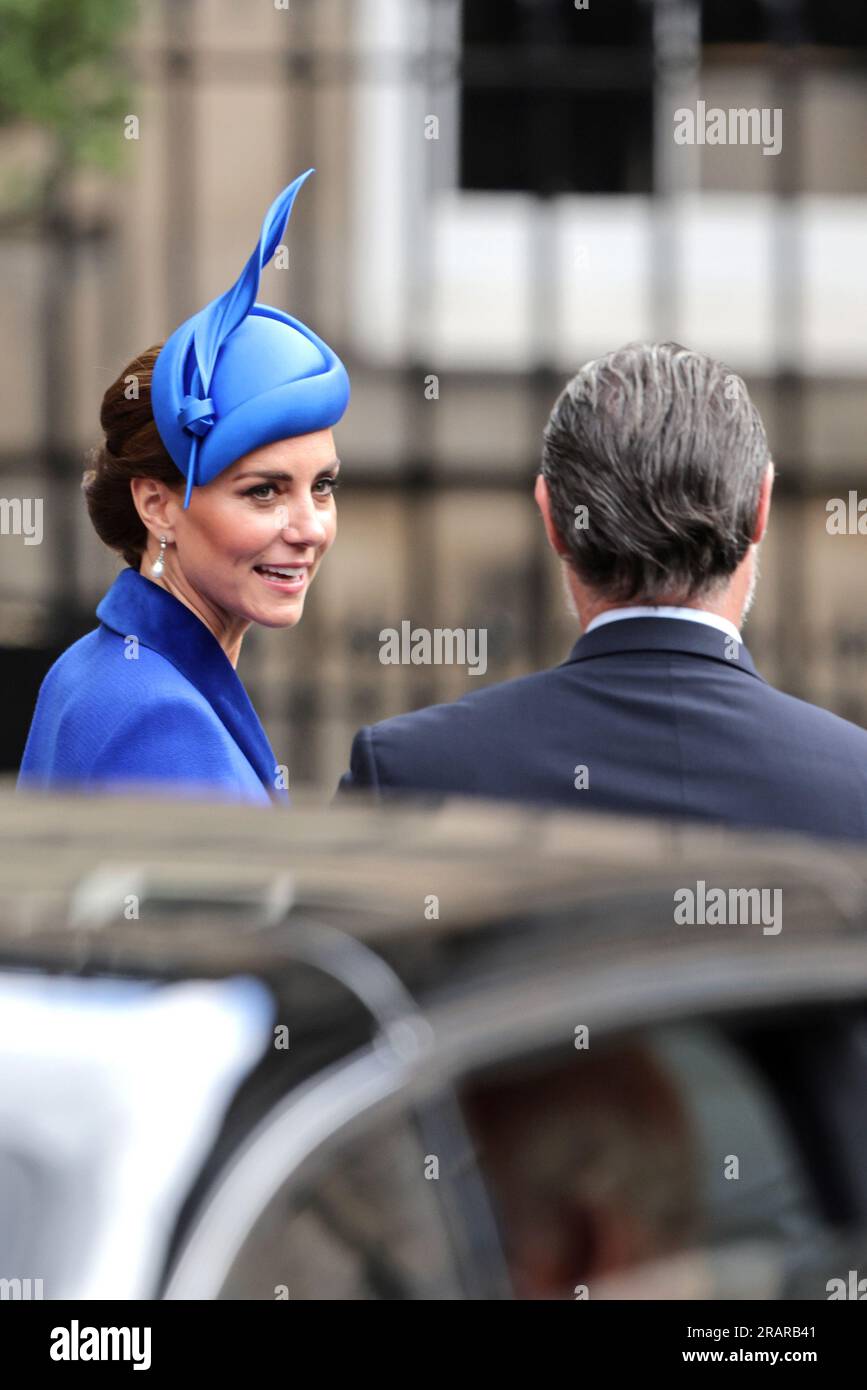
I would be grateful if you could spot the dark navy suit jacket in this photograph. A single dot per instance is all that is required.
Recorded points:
(668, 716)
(149, 698)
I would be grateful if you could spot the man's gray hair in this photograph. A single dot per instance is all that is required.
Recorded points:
(666, 452)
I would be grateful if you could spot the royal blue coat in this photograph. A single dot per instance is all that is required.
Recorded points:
(149, 699)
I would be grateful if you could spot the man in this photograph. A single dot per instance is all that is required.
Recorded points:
(654, 491)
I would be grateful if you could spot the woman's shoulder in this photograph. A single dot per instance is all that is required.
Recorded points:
(103, 666)
(111, 707)
(105, 684)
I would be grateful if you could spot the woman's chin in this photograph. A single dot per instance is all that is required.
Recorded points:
(285, 614)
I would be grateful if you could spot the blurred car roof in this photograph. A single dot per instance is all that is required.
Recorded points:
(231, 879)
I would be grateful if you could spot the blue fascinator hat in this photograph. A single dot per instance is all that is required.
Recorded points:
(238, 375)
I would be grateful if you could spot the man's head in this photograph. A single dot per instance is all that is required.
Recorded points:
(655, 481)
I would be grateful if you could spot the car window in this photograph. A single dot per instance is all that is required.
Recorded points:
(366, 1223)
(659, 1165)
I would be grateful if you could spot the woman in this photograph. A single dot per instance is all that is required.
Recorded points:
(216, 484)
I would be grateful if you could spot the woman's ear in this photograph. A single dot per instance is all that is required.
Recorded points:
(156, 504)
(543, 502)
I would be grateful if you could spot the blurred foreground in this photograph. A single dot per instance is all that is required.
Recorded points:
(409, 1054)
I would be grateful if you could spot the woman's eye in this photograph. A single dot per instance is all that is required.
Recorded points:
(262, 491)
(328, 484)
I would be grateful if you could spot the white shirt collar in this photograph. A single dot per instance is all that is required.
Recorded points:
(690, 615)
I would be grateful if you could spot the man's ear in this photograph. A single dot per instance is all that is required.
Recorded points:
(543, 502)
(764, 507)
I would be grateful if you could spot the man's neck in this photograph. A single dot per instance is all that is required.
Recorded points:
(731, 612)
(729, 603)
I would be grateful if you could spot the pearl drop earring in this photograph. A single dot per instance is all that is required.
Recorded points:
(159, 563)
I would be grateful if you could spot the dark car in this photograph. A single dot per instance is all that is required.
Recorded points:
(461, 1053)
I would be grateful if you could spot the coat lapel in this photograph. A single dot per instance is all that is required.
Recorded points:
(134, 606)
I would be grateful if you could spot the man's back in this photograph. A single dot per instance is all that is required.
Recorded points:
(656, 716)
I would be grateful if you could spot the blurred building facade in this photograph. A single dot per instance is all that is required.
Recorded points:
(498, 198)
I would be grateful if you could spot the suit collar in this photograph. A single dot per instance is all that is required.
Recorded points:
(686, 615)
(662, 635)
(134, 606)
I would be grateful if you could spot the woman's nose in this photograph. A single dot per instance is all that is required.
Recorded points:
(301, 523)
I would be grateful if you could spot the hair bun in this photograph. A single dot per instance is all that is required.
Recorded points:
(132, 448)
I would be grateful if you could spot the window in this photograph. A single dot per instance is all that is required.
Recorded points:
(837, 23)
(555, 99)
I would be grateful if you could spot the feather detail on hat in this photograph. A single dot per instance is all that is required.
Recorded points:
(275, 378)
(221, 317)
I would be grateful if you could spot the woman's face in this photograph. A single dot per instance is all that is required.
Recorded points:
(252, 539)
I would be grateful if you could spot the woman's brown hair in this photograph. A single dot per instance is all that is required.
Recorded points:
(132, 449)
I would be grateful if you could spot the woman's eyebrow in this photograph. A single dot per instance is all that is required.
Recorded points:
(279, 475)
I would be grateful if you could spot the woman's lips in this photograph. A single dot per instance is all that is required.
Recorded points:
(283, 579)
